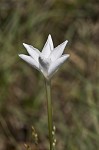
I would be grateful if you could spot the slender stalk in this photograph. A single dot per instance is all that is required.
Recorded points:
(49, 111)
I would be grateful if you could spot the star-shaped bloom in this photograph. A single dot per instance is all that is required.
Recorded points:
(49, 60)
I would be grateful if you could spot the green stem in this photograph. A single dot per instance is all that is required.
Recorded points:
(49, 110)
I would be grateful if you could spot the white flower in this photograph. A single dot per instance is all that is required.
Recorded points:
(49, 60)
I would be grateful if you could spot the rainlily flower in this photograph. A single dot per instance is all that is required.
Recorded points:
(49, 60)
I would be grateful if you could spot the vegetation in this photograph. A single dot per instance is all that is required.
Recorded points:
(75, 88)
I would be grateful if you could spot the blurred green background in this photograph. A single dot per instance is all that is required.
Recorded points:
(75, 88)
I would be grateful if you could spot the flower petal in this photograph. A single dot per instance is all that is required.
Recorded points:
(57, 52)
(51, 42)
(47, 47)
(44, 64)
(32, 51)
(55, 65)
(30, 60)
